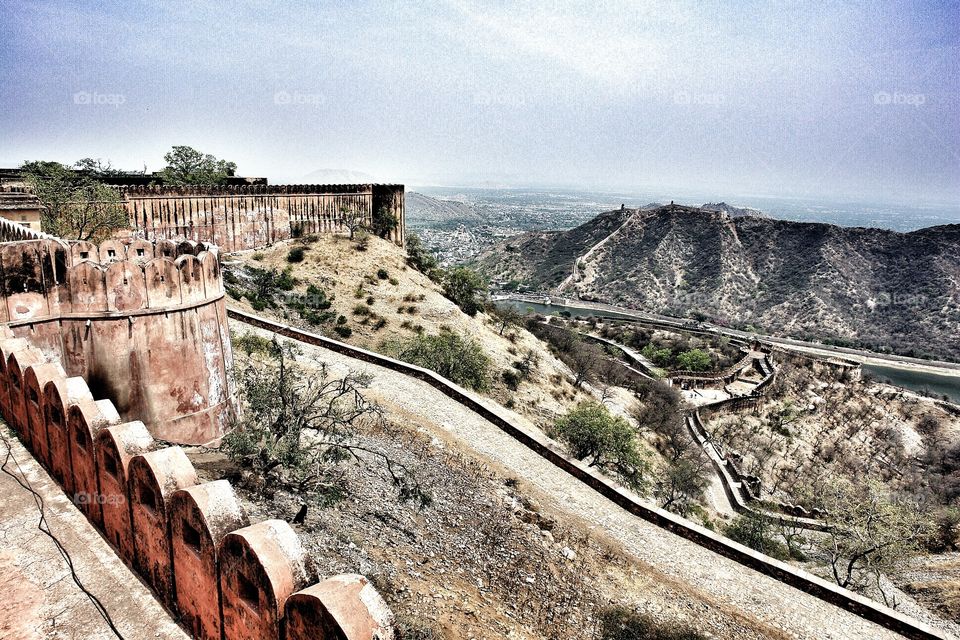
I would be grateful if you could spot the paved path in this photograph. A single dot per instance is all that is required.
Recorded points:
(717, 578)
(39, 598)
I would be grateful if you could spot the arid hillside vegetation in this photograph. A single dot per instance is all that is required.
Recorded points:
(865, 287)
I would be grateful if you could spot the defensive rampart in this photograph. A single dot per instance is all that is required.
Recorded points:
(252, 216)
(144, 324)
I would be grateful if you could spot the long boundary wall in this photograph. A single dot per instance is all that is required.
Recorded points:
(253, 216)
(783, 572)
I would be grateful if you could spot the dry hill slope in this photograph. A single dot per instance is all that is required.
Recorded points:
(874, 287)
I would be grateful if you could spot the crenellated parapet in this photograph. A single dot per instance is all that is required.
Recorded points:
(240, 217)
(191, 541)
(143, 323)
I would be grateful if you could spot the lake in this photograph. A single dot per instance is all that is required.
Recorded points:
(918, 380)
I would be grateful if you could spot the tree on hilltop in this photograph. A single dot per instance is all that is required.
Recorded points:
(187, 166)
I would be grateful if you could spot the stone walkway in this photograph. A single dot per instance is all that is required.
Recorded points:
(40, 599)
(714, 577)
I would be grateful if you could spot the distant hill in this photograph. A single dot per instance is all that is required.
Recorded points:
(425, 211)
(872, 287)
(732, 211)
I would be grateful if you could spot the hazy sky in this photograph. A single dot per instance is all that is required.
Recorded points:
(855, 98)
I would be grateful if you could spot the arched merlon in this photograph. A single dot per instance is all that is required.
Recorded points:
(200, 516)
(58, 395)
(152, 479)
(85, 419)
(115, 447)
(147, 330)
(8, 346)
(17, 362)
(344, 607)
(35, 378)
(260, 567)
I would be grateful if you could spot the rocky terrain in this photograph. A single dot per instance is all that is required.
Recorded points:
(867, 287)
(510, 546)
(402, 305)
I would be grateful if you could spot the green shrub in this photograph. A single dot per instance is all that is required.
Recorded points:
(362, 240)
(382, 274)
(609, 442)
(379, 324)
(361, 310)
(296, 254)
(343, 331)
(418, 256)
(694, 360)
(465, 288)
(384, 221)
(258, 256)
(341, 319)
(757, 533)
(455, 357)
(370, 300)
(394, 281)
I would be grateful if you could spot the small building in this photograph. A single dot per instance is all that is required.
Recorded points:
(18, 205)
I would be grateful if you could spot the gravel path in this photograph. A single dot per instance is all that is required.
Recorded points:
(715, 577)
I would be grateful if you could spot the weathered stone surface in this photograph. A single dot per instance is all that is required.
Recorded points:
(152, 479)
(58, 395)
(115, 447)
(260, 567)
(344, 606)
(145, 332)
(246, 217)
(200, 516)
(84, 421)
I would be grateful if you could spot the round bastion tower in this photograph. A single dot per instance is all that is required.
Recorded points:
(143, 323)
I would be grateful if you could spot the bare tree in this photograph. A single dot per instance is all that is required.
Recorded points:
(297, 429)
(353, 219)
(869, 530)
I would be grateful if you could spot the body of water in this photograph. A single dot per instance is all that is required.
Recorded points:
(920, 381)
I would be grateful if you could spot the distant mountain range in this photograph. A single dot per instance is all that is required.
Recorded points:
(428, 212)
(869, 287)
(338, 176)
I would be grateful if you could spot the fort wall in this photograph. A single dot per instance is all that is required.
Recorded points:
(190, 541)
(701, 536)
(144, 324)
(253, 216)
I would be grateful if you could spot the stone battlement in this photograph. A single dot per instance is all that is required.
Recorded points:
(107, 351)
(241, 217)
(191, 542)
(143, 323)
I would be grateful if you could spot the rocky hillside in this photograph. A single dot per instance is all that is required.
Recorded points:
(872, 287)
(398, 306)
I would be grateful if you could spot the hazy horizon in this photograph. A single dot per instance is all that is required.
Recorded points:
(850, 100)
